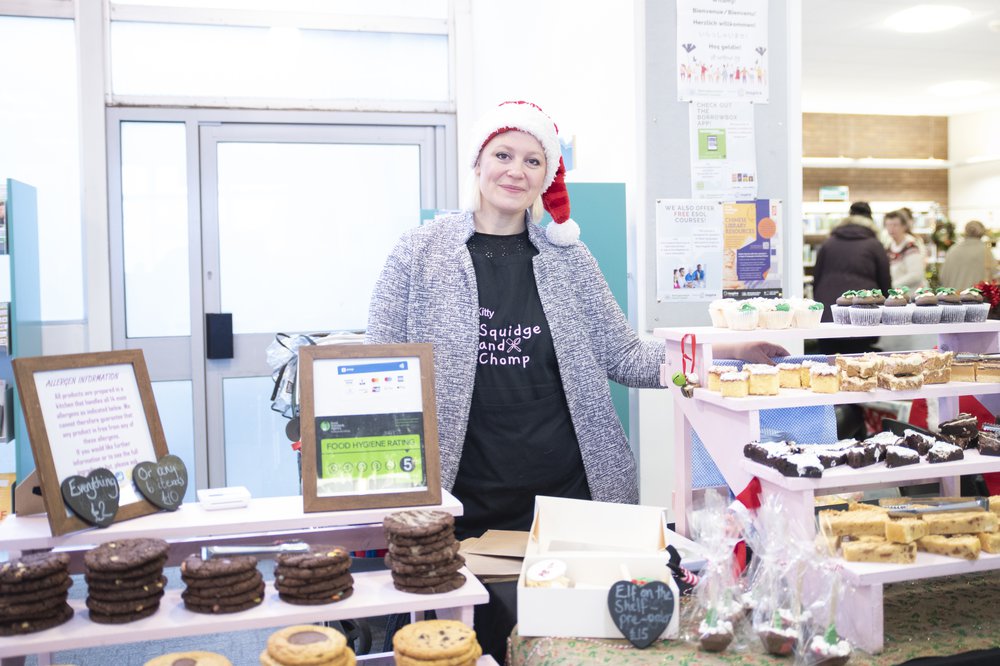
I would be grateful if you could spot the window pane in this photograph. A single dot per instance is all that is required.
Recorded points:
(258, 454)
(409, 8)
(174, 403)
(155, 230)
(224, 61)
(40, 146)
(305, 228)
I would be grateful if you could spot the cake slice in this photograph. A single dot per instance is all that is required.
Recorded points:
(735, 384)
(804, 372)
(853, 523)
(989, 541)
(879, 551)
(905, 530)
(960, 522)
(763, 379)
(966, 547)
(715, 377)
(824, 378)
(863, 455)
(790, 375)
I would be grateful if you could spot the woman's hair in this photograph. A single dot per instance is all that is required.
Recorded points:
(471, 197)
(901, 216)
(975, 229)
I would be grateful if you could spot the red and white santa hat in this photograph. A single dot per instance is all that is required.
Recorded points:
(529, 118)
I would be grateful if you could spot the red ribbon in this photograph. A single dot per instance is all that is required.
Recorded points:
(688, 356)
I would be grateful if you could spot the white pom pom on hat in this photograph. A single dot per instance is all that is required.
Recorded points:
(529, 118)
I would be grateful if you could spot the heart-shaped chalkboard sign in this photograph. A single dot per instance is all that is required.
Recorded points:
(641, 612)
(163, 483)
(94, 498)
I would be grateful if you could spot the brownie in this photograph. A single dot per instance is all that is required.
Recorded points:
(832, 455)
(917, 441)
(989, 443)
(963, 431)
(883, 440)
(800, 465)
(944, 452)
(898, 456)
(863, 455)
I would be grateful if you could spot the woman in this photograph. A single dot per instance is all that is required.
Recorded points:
(526, 335)
(969, 261)
(907, 261)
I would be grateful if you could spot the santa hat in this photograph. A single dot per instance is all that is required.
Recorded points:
(528, 118)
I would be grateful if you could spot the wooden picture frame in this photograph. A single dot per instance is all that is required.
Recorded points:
(82, 410)
(368, 421)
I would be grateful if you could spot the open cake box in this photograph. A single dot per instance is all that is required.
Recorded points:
(600, 543)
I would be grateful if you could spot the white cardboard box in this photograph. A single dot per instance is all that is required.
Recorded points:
(601, 543)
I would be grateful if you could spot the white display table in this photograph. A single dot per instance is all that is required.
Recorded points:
(725, 425)
(373, 595)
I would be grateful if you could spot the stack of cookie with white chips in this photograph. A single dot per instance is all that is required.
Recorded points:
(221, 584)
(33, 591)
(125, 579)
(321, 576)
(307, 645)
(435, 642)
(423, 553)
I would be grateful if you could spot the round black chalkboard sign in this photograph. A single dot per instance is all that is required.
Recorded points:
(94, 498)
(641, 612)
(163, 483)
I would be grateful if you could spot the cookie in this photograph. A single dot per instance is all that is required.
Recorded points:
(324, 585)
(25, 586)
(221, 581)
(123, 618)
(420, 580)
(212, 592)
(122, 593)
(281, 572)
(432, 569)
(128, 577)
(32, 610)
(465, 659)
(328, 599)
(124, 607)
(196, 597)
(218, 609)
(195, 567)
(433, 639)
(307, 594)
(194, 658)
(416, 552)
(450, 584)
(34, 566)
(306, 644)
(346, 659)
(400, 540)
(124, 555)
(62, 614)
(417, 522)
(444, 555)
(59, 589)
(319, 557)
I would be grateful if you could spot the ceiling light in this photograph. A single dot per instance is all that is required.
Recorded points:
(928, 18)
(959, 88)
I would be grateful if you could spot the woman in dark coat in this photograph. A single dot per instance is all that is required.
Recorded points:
(852, 258)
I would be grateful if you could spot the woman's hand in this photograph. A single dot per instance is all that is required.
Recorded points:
(751, 352)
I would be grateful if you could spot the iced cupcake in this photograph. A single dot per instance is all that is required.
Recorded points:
(717, 311)
(808, 316)
(952, 310)
(878, 296)
(906, 293)
(743, 317)
(895, 311)
(778, 315)
(927, 310)
(975, 309)
(842, 308)
(865, 311)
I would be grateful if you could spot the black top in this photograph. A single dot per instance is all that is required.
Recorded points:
(520, 440)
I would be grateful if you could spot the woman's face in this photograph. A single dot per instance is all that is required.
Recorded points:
(894, 227)
(511, 171)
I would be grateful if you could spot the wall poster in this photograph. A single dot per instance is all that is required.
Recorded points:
(752, 249)
(723, 154)
(688, 250)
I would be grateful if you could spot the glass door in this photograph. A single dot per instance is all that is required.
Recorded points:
(285, 227)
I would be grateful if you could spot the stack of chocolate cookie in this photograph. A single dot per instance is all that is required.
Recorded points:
(125, 579)
(423, 553)
(221, 584)
(305, 644)
(320, 576)
(33, 593)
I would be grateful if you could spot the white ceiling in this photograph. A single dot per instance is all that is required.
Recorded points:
(852, 63)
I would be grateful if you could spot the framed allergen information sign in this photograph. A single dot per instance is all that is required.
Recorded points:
(369, 427)
(87, 412)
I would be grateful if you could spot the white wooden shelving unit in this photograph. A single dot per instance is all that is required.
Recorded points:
(263, 519)
(725, 425)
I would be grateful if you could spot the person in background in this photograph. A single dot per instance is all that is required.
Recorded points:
(526, 335)
(852, 258)
(969, 261)
(907, 261)
(861, 208)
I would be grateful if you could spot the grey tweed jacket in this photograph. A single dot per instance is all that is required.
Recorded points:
(427, 293)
